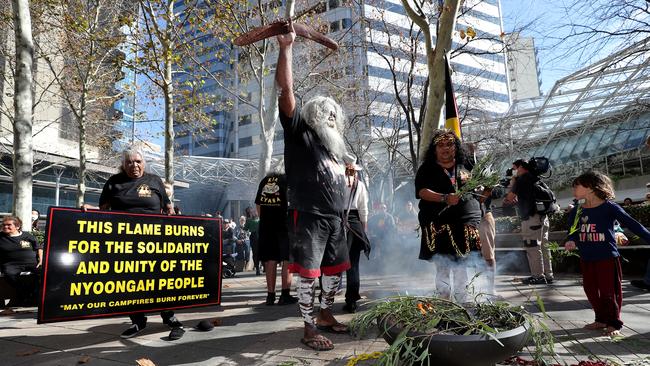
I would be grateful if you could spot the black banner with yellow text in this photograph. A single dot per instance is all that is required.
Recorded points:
(99, 264)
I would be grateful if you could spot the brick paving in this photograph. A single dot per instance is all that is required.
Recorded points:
(252, 333)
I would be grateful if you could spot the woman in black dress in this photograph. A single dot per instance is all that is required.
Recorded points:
(449, 222)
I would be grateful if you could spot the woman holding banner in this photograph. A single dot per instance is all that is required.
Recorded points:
(135, 191)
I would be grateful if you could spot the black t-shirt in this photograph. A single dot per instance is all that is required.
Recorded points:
(19, 249)
(432, 176)
(523, 188)
(272, 198)
(137, 195)
(315, 180)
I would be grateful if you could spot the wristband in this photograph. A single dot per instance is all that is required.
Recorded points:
(444, 198)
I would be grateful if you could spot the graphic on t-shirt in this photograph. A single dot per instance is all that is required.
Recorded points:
(588, 231)
(271, 192)
(25, 244)
(144, 191)
(271, 188)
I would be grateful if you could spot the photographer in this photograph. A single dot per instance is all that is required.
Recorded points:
(534, 227)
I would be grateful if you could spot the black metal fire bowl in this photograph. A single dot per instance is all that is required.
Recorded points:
(463, 350)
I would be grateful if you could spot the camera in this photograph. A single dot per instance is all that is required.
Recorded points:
(505, 182)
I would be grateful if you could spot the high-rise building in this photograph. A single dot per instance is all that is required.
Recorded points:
(372, 34)
(125, 108)
(212, 137)
(523, 67)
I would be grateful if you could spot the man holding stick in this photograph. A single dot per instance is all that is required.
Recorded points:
(314, 152)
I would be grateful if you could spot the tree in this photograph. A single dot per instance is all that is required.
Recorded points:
(592, 29)
(445, 25)
(162, 42)
(23, 155)
(86, 67)
(229, 20)
(405, 53)
(154, 39)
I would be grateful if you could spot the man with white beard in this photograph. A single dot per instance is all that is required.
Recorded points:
(313, 151)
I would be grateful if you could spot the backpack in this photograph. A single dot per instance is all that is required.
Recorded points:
(545, 201)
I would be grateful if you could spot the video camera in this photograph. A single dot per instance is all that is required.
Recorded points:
(539, 165)
(505, 182)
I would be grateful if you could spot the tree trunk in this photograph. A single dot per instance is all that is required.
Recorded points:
(268, 118)
(169, 99)
(436, 69)
(268, 129)
(23, 160)
(81, 186)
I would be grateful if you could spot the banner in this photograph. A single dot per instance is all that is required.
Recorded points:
(99, 264)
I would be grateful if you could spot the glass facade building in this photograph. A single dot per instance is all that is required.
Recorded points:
(598, 117)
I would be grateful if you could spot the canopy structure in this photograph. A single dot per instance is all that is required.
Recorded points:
(199, 169)
(225, 171)
(596, 117)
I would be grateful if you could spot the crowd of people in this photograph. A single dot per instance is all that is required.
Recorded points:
(314, 221)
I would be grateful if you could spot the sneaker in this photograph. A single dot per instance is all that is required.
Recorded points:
(270, 299)
(549, 279)
(534, 280)
(132, 331)
(640, 284)
(173, 322)
(176, 333)
(287, 300)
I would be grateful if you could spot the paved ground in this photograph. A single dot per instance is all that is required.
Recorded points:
(254, 334)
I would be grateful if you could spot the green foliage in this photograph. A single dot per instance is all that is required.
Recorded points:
(559, 254)
(559, 221)
(39, 235)
(641, 213)
(507, 224)
(482, 176)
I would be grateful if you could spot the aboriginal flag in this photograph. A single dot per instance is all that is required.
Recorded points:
(451, 109)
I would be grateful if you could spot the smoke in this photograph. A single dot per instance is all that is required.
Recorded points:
(511, 261)
(394, 267)
(394, 259)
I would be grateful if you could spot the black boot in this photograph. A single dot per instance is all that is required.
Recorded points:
(270, 298)
(286, 298)
(350, 307)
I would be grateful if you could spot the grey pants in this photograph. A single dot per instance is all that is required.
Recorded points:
(534, 232)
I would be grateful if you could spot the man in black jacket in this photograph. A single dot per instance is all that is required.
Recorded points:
(534, 227)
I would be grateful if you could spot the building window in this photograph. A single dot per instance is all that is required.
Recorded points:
(346, 23)
(246, 141)
(334, 4)
(335, 26)
(245, 120)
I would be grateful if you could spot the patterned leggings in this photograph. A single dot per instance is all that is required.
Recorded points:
(306, 291)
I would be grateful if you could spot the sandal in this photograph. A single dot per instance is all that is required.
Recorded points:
(336, 328)
(318, 343)
(595, 326)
